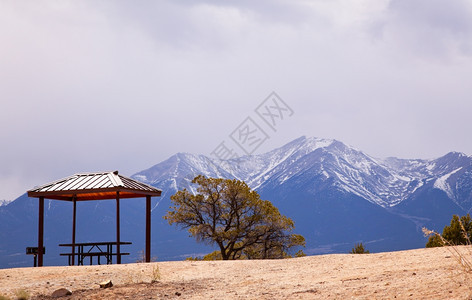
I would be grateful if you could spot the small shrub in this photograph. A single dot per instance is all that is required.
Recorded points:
(461, 258)
(156, 273)
(457, 233)
(460, 254)
(142, 257)
(191, 258)
(359, 249)
(300, 253)
(22, 295)
(215, 255)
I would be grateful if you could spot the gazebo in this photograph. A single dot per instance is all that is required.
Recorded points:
(94, 186)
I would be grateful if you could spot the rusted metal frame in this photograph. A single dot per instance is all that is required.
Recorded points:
(93, 180)
(118, 255)
(104, 197)
(109, 254)
(40, 231)
(137, 190)
(91, 191)
(148, 228)
(67, 198)
(74, 214)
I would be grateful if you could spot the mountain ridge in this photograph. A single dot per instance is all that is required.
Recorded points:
(394, 181)
(336, 194)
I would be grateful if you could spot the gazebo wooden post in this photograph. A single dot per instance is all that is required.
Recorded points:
(118, 255)
(74, 213)
(148, 228)
(41, 231)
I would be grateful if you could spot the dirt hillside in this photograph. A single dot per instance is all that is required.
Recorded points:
(415, 274)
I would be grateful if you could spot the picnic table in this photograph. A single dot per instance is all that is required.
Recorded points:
(93, 249)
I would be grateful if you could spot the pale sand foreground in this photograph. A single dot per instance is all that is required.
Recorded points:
(415, 274)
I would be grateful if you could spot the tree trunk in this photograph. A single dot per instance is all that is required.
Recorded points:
(224, 255)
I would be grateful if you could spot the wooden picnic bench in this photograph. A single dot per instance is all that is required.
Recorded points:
(93, 249)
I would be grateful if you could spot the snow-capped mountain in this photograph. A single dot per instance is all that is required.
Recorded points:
(318, 164)
(336, 195)
(384, 202)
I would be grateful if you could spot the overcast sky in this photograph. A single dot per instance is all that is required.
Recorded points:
(123, 85)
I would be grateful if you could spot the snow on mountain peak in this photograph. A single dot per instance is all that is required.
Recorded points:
(442, 184)
(314, 161)
(313, 143)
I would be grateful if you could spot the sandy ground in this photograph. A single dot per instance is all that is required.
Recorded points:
(415, 274)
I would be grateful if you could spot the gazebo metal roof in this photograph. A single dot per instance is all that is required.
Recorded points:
(94, 186)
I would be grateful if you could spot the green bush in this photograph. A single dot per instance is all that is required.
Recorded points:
(457, 233)
(359, 249)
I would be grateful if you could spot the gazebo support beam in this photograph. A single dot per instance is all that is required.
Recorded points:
(41, 231)
(74, 214)
(118, 255)
(148, 228)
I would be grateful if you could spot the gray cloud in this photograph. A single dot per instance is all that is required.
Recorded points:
(91, 86)
(429, 29)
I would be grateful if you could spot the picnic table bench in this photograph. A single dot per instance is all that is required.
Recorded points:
(93, 249)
